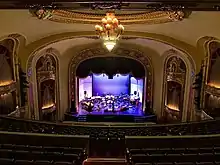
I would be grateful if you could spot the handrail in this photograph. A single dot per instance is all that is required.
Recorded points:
(192, 128)
(87, 124)
(43, 134)
(173, 137)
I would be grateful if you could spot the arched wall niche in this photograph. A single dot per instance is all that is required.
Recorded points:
(117, 52)
(202, 49)
(9, 79)
(181, 77)
(211, 88)
(43, 70)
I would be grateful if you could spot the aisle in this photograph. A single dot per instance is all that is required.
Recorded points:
(105, 161)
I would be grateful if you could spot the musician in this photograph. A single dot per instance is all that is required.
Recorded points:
(137, 98)
(85, 95)
(90, 107)
(134, 99)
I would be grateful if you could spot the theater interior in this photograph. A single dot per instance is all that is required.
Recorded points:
(104, 86)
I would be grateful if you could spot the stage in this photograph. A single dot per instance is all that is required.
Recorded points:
(136, 111)
(103, 98)
(131, 115)
(110, 98)
(110, 118)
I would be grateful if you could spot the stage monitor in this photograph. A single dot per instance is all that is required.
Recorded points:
(116, 85)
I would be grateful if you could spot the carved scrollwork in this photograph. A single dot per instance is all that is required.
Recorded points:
(174, 71)
(94, 17)
(102, 52)
(41, 12)
(47, 70)
(106, 6)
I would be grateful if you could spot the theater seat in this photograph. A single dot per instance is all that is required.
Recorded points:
(7, 146)
(4, 161)
(63, 163)
(24, 162)
(184, 163)
(21, 147)
(205, 163)
(21, 155)
(143, 163)
(42, 162)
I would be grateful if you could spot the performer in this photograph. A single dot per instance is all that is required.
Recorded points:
(85, 95)
(90, 107)
(134, 99)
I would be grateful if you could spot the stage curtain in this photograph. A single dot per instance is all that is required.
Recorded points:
(110, 66)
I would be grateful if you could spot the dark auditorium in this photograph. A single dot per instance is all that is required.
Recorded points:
(110, 82)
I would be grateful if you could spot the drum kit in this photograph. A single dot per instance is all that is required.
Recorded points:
(110, 103)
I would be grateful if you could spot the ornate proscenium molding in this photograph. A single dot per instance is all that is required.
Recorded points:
(94, 16)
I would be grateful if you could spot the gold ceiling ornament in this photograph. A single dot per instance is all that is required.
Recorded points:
(110, 30)
(125, 17)
(41, 12)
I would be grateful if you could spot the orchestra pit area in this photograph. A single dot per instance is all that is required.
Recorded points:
(109, 87)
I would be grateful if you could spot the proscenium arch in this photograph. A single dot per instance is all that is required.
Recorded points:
(40, 44)
(190, 72)
(117, 52)
(32, 78)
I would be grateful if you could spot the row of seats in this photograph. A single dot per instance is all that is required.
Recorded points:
(180, 163)
(174, 156)
(202, 150)
(181, 151)
(11, 153)
(4, 161)
(42, 149)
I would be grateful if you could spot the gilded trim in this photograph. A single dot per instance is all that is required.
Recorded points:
(85, 17)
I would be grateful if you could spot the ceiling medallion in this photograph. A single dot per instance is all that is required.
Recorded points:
(109, 30)
(94, 16)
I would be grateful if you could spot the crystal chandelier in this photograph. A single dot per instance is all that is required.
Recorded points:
(110, 30)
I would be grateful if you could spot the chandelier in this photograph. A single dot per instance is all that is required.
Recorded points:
(110, 30)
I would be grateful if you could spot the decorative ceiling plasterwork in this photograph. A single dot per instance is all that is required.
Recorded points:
(94, 17)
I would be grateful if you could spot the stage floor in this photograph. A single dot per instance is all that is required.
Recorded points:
(136, 111)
